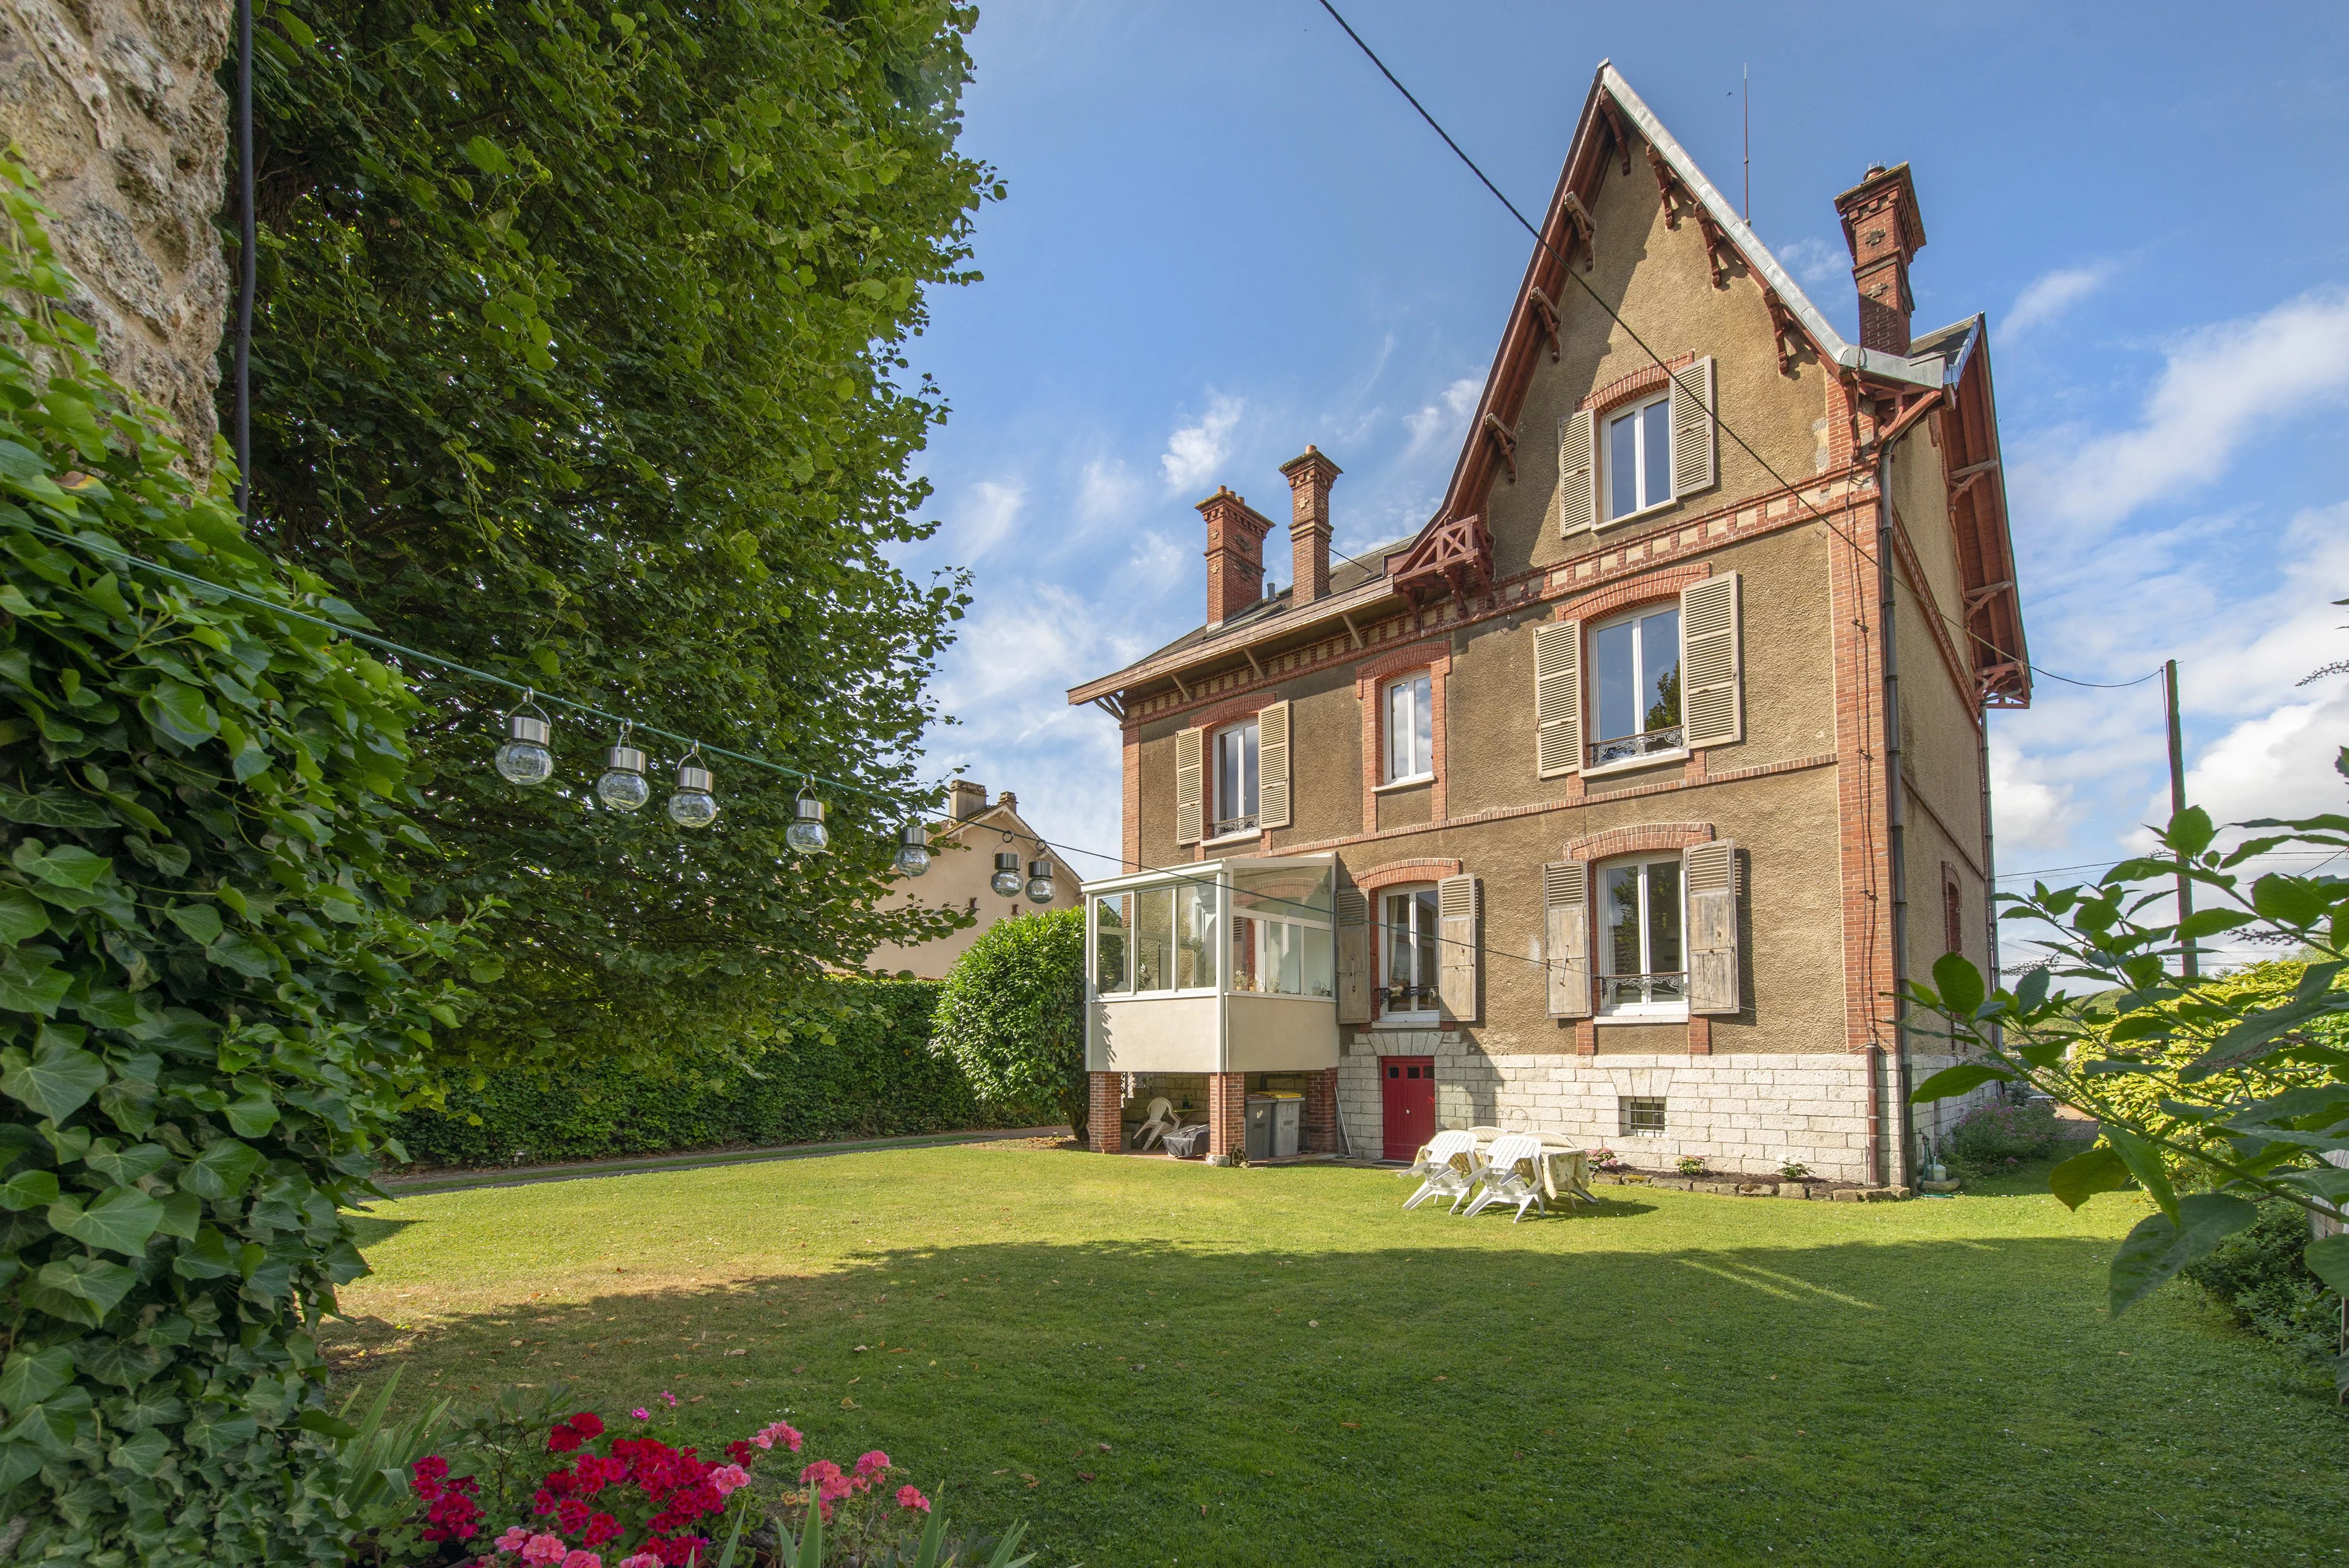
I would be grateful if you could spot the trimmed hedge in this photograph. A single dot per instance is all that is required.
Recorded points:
(874, 1076)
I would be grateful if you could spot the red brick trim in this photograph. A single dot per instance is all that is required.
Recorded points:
(1585, 1037)
(1226, 1114)
(1699, 1036)
(1433, 655)
(1322, 1126)
(1426, 869)
(1666, 584)
(1647, 379)
(1130, 755)
(1222, 713)
(1645, 838)
(1105, 1101)
(1864, 838)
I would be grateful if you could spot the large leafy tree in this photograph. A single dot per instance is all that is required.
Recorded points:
(579, 359)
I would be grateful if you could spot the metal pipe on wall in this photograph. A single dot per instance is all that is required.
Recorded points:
(1895, 818)
(240, 426)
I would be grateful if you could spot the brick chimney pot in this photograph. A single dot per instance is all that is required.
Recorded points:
(1883, 225)
(1309, 478)
(1236, 534)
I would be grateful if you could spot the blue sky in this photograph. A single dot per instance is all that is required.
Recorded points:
(1227, 237)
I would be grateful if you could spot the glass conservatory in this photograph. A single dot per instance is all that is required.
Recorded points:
(1220, 966)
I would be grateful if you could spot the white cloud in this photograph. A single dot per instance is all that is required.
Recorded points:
(1107, 490)
(986, 518)
(2031, 815)
(1813, 261)
(2278, 764)
(2222, 386)
(2050, 294)
(1445, 417)
(1195, 452)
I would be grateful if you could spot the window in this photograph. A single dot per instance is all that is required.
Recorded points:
(1408, 920)
(1172, 940)
(1236, 780)
(1410, 729)
(1640, 458)
(1641, 1116)
(1953, 924)
(1110, 975)
(1639, 671)
(1642, 966)
(1281, 931)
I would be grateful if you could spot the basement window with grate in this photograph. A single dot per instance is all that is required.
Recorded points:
(1642, 1117)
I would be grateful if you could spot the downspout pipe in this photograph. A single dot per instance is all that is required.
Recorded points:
(1896, 1170)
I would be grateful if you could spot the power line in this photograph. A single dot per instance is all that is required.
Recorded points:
(1596, 299)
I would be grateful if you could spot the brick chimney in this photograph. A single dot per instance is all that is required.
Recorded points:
(1309, 478)
(1236, 534)
(966, 799)
(1883, 228)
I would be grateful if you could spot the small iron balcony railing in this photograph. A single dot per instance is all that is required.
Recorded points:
(1628, 747)
(1621, 990)
(1233, 825)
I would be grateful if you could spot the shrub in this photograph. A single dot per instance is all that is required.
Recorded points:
(211, 997)
(1995, 1136)
(1794, 1170)
(1012, 1012)
(1692, 1165)
(2260, 1276)
(866, 1071)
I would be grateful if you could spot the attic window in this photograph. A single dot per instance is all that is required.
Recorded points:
(1639, 458)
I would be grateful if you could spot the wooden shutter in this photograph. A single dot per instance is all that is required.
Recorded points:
(1577, 476)
(1566, 923)
(1709, 873)
(1272, 766)
(1712, 702)
(1695, 464)
(1354, 956)
(1459, 959)
(1557, 697)
(1189, 786)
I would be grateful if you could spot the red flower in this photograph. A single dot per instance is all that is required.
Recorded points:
(602, 1528)
(571, 1515)
(587, 1423)
(741, 1453)
(562, 1440)
(542, 1501)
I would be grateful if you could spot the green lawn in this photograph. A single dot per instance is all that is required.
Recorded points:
(1281, 1367)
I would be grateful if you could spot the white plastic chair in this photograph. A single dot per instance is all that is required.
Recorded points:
(1444, 1169)
(1511, 1174)
(1161, 1121)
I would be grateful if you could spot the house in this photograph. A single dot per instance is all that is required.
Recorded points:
(1620, 799)
(976, 843)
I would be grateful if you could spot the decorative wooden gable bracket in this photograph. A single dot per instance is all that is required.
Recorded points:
(1717, 249)
(1964, 479)
(1578, 219)
(1789, 331)
(1615, 124)
(1505, 442)
(1455, 553)
(2002, 686)
(1110, 705)
(1545, 312)
(1667, 186)
(1977, 597)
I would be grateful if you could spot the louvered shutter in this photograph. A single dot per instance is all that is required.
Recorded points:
(1557, 697)
(1709, 873)
(1189, 786)
(1354, 956)
(1577, 486)
(1695, 461)
(1272, 766)
(1459, 962)
(1565, 923)
(1713, 701)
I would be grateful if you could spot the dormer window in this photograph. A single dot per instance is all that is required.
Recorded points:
(1640, 458)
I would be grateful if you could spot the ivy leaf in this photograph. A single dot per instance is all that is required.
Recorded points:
(55, 1082)
(126, 1167)
(222, 1170)
(80, 1289)
(22, 918)
(182, 712)
(202, 922)
(29, 1376)
(28, 1189)
(487, 156)
(2161, 1246)
(182, 1212)
(142, 1453)
(253, 1114)
(66, 866)
(120, 1219)
(53, 808)
(239, 952)
(206, 1257)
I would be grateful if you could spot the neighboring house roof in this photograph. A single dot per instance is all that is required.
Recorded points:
(1453, 547)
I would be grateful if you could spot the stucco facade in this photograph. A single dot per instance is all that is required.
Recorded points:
(963, 850)
(1820, 492)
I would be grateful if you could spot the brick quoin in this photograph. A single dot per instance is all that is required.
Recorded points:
(1433, 656)
(1132, 753)
(1321, 1135)
(1105, 1099)
(1226, 1114)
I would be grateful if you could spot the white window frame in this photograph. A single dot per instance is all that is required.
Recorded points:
(1591, 639)
(1624, 1112)
(1420, 685)
(1431, 1011)
(1603, 947)
(1603, 458)
(1253, 777)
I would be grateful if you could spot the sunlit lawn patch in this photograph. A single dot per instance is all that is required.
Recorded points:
(1162, 1363)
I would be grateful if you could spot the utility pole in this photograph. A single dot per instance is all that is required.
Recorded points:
(2191, 963)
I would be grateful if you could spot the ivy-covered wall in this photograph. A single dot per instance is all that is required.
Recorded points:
(868, 1073)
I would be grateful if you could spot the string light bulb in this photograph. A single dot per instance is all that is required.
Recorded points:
(808, 835)
(693, 806)
(1006, 879)
(1040, 881)
(912, 849)
(623, 785)
(525, 759)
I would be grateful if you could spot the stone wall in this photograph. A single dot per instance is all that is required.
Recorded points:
(113, 105)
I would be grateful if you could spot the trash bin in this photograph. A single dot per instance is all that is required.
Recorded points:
(1259, 1126)
(1288, 1125)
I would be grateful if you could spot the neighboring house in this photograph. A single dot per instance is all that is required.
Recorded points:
(1618, 801)
(966, 852)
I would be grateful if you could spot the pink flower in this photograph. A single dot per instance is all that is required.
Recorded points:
(911, 1497)
(583, 1560)
(767, 1437)
(668, 1398)
(641, 1414)
(726, 1478)
(514, 1540)
(872, 1464)
(641, 1560)
(544, 1549)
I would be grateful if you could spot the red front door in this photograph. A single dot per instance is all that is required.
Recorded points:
(1407, 1096)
